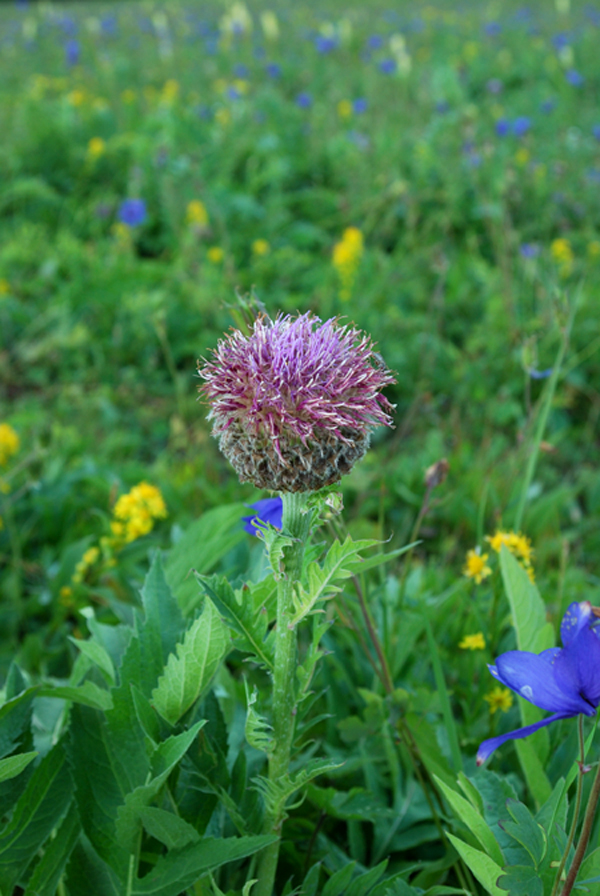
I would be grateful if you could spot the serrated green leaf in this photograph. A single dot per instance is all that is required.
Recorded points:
(39, 810)
(14, 765)
(165, 758)
(590, 869)
(49, 870)
(189, 673)
(481, 866)
(201, 547)
(97, 655)
(15, 719)
(526, 831)
(163, 620)
(181, 868)
(84, 866)
(473, 820)
(168, 828)
(340, 562)
(238, 613)
(15, 682)
(277, 793)
(521, 880)
(257, 729)
(87, 694)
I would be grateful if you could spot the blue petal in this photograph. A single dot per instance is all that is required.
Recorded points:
(576, 619)
(267, 510)
(579, 662)
(488, 746)
(534, 677)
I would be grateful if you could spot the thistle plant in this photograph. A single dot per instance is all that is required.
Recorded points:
(293, 405)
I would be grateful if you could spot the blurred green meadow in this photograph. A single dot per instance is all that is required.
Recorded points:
(428, 172)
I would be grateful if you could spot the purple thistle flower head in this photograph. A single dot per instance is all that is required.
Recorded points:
(267, 510)
(293, 404)
(563, 680)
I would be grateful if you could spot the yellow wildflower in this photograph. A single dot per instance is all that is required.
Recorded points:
(215, 254)
(135, 512)
(223, 117)
(522, 156)
(347, 254)
(476, 566)
(196, 213)
(96, 147)
(128, 96)
(517, 543)
(1, 524)
(9, 443)
(593, 249)
(260, 247)
(562, 253)
(344, 108)
(4, 287)
(473, 642)
(499, 698)
(170, 91)
(76, 97)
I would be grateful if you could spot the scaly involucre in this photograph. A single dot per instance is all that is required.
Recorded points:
(293, 385)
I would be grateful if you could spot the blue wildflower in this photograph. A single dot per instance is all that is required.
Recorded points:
(596, 131)
(560, 41)
(574, 78)
(442, 107)
(387, 66)
(375, 42)
(267, 510)
(241, 71)
(273, 70)
(529, 250)
(232, 93)
(548, 106)
(359, 105)
(492, 29)
(495, 86)
(72, 51)
(304, 100)
(563, 680)
(539, 374)
(502, 127)
(132, 212)
(325, 44)
(521, 125)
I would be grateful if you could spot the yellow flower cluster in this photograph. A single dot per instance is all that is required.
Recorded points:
(499, 699)
(260, 247)
(89, 558)
(562, 253)
(473, 642)
(519, 545)
(96, 147)
(136, 512)
(196, 214)
(346, 259)
(9, 443)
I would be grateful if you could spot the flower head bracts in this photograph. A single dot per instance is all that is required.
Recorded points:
(296, 394)
(294, 375)
(565, 681)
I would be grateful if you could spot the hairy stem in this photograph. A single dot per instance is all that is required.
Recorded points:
(296, 522)
(575, 819)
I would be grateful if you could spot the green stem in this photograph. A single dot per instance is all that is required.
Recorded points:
(296, 522)
(542, 420)
(584, 837)
(575, 819)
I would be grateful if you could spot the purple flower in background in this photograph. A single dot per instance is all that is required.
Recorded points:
(442, 107)
(596, 131)
(560, 40)
(387, 66)
(574, 78)
(563, 680)
(359, 105)
(529, 250)
(293, 404)
(304, 100)
(267, 510)
(502, 127)
(241, 71)
(539, 374)
(232, 93)
(492, 29)
(132, 212)
(375, 42)
(548, 106)
(273, 70)
(325, 44)
(521, 125)
(72, 51)
(495, 86)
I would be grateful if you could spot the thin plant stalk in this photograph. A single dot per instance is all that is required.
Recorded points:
(584, 837)
(295, 522)
(575, 820)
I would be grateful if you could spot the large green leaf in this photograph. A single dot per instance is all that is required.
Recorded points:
(181, 868)
(237, 610)
(39, 810)
(481, 866)
(201, 547)
(467, 813)
(163, 623)
(84, 867)
(48, 871)
(535, 634)
(15, 719)
(188, 674)
(14, 765)
(88, 694)
(168, 828)
(523, 828)
(521, 880)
